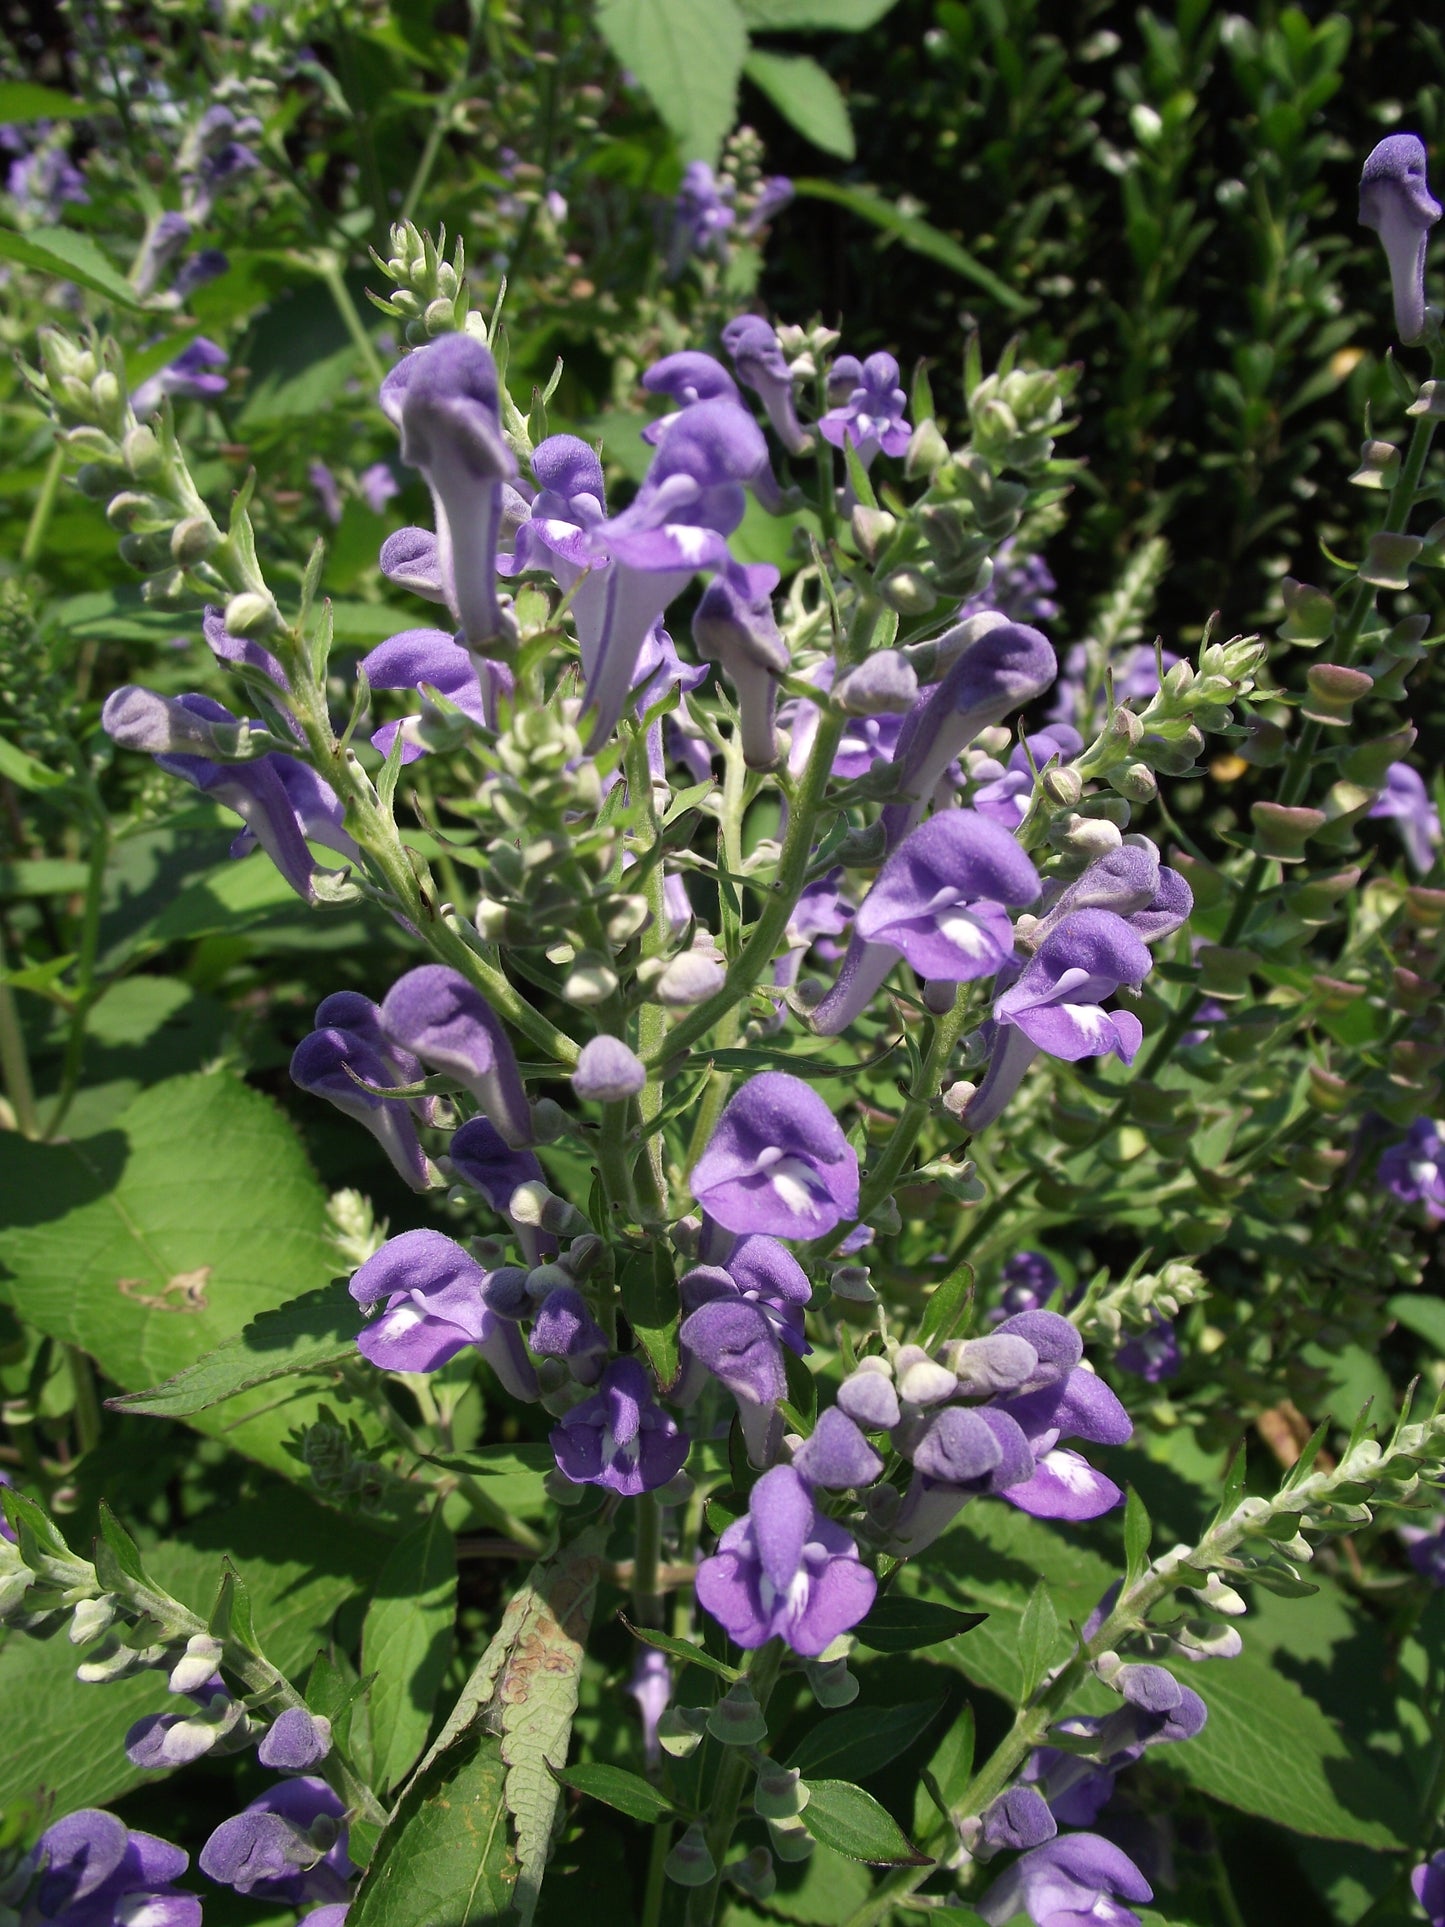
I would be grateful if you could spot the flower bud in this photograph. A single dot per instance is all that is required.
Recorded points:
(141, 450)
(690, 1864)
(851, 1282)
(1062, 785)
(737, 1719)
(791, 1840)
(92, 1617)
(592, 982)
(779, 1793)
(908, 592)
(194, 540)
(833, 1685)
(251, 614)
(202, 1657)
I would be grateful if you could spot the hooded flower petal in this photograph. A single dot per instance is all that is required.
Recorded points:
(759, 361)
(777, 1162)
(434, 1013)
(1076, 1877)
(1396, 201)
(620, 1438)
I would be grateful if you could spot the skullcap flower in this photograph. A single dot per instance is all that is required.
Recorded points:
(737, 1342)
(620, 1438)
(1406, 802)
(837, 1456)
(1427, 1883)
(90, 1870)
(1075, 1878)
(1396, 201)
(607, 1071)
(350, 1068)
(289, 1845)
(777, 1162)
(434, 1013)
(439, 1301)
(753, 345)
(872, 415)
(734, 625)
(430, 657)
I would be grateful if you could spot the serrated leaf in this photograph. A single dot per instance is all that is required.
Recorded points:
(316, 1329)
(629, 1793)
(1038, 1639)
(406, 1643)
(687, 56)
(898, 1624)
(445, 1855)
(863, 1740)
(69, 256)
(806, 97)
(852, 1823)
(917, 234)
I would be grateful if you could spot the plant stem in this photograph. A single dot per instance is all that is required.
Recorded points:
(656, 1889)
(329, 268)
(885, 1174)
(14, 1061)
(85, 994)
(44, 507)
(763, 1669)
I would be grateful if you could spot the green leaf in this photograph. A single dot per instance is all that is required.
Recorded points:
(1271, 1751)
(22, 100)
(19, 768)
(898, 1624)
(1421, 1315)
(69, 256)
(822, 16)
(116, 1548)
(144, 1245)
(680, 1649)
(806, 97)
(919, 235)
(1038, 1639)
(852, 1823)
(627, 1792)
(947, 1775)
(406, 1643)
(317, 1329)
(947, 1305)
(445, 1855)
(687, 56)
(863, 1740)
(653, 1309)
(1138, 1534)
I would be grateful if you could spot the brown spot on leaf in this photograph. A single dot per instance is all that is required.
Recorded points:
(186, 1291)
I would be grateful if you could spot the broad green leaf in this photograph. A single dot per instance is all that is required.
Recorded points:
(316, 1329)
(23, 100)
(823, 16)
(69, 256)
(300, 1564)
(852, 1822)
(947, 1775)
(807, 97)
(687, 56)
(406, 1643)
(897, 1624)
(816, 1892)
(444, 1859)
(42, 877)
(650, 1301)
(863, 1740)
(144, 1244)
(1273, 1752)
(1421, 1315)
(629, 1793)
(919, 235)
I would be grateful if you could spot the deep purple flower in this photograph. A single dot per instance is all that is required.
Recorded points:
(1020, 588)
(90, 1870)
(620, 1437)
(240, 651)
(1414, 1171)
(190, 377)
(777, 1162)
(439, 1301)
(1005, 791)
(1055, 1005)
(1395, 200)
(759, 361)
(1076, 1878)
(687, 377)
(738, 1343)
(1152, 1354)
(434, 1013)
(872, 416)
(1406, 801)
(941, 902)
(444, 398)
(333, 1057)
(565, 1329)
(734, 625)
(482, 1158)
(785, 1570)
(430, 658)
(289, 1845)
(206, 264)
(1018, 1818)
(998, 673)
(1029, 1282)
(959, 1453)
(1427, 1883)
(295, 1741)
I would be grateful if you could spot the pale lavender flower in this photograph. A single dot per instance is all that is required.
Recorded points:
(377, 485)
(734, 626)
(91, 1870)
(1395, 200)
(190, 377)
(774, 194)
(1427, 1883)
(1414, 1170)
(1018, 1818)
(651, 1687)
(289, 1845)
(941, 903)
(434, 1013)
(240, 652)
(1406, 801)
(295, 1741)
(778, 1162)
(607, 1071)
(1021, 587)
(703, 215)
(872, 416)
(753, 346)
(687, 377)
(328, 492)
(431, 659)
(785, 1570)
(866, 740)
(1077, 1877)
(438, 1300)
(837, 1456)
(620, 1438)
(159, 1741)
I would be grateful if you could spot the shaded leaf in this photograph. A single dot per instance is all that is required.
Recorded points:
(69, 257)
(23, 100)
(629, 1793)
(807, 98)
(852, 1823)
(681, 1649)
(406, 1643)
(687, 56)
(826, 16)
(863, 1740)
(919, 235)
(897, 1624)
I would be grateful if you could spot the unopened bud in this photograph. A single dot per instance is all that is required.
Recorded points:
(690, 1864)
(1063, 786)
(92, 1617)
(833, 1685)
(202, 1657)
(194, 539)
(680, 1730)
(533, 1204)
(871, 530)
(737, 1719)
(907, 591)
(592, 982)
(791, 1840)
(142, 451)
(851, 1282)
(779, 1793)
(251, 614)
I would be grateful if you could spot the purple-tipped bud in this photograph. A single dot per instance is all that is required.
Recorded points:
(296, 1741)
(607, 1071)
(759, 361)
(837, 1456)
(1395, 200)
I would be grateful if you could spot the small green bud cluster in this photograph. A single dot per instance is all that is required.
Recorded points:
(1015, 414)
(1136, 1301)
(336, 1456)
(430, 292)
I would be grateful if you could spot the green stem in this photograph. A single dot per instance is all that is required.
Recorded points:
(329, 268)
(14, 1060)
(763, 1669)
(85, 993)
(897, 1151)
(646, 1599)
(44, 507)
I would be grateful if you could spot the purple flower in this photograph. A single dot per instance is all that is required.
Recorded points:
(651, 1687)
(687, 377)
(998, 673)
(1018, 1818)
(190, 377)
(289, 1845)
(481, 1157)
(1021, 587)
(431, 659)
(872, 416)
(777, 1162)
(607, 1071)
(1029, 1282)
(1055, 1005)
(702, 215)
(444, 398)
(775, 193)
(1395, 200)
(1427, 1883)
(377, 485)
(239, 651)
(43, 183)
(1406, 801)
(439, 1301)
(759, 361)
(1414, 1171)
(565, 1329)
(1004, 792)
(941, 902)
(434, 1013)
(738, 1343)
(1076, 1878)
(837, 1456)
(734, 625)
(162, 1740)
(1152, 1354)
(959, 1453)
(327, 493)
(90, 1870)
(620, 1437)
(330, 1061)
(206, 264)
(1425, 1548)
(7, 1531)
(295, 1741)
(785, 1570)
